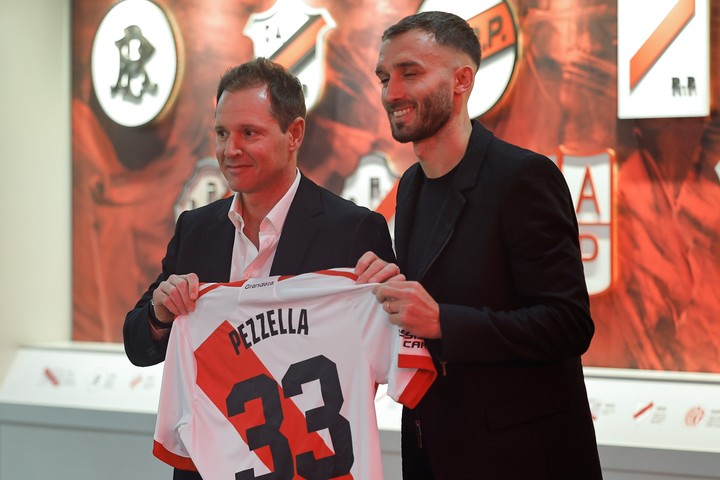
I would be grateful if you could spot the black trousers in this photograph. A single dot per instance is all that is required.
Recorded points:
(415, 462)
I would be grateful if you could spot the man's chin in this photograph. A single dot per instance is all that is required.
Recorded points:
(402, 137)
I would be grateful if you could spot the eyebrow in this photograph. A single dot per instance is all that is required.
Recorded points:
(405, 64)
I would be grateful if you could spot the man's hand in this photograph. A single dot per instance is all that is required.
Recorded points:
(410, 307)
(372, 269)
(175, 296)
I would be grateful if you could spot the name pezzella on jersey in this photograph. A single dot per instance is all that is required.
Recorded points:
(268, 324)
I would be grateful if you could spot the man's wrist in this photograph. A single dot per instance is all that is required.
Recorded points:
(154, 321)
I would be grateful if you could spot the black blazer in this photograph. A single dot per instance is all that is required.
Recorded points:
(321, 231)
(504, 264)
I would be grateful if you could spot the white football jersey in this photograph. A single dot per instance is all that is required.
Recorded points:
(275, 379)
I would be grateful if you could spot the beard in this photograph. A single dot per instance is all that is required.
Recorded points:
(436, 111)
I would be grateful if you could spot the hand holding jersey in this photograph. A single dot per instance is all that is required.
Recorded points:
(408, 304)
(372, 269)
(175, 296)
(410, 307)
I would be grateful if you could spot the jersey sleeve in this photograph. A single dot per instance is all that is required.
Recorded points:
(412, 371)
(175, 405)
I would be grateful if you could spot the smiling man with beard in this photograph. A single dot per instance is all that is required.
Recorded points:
(491, 276)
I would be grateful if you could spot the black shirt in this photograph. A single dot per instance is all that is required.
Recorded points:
(431, 199)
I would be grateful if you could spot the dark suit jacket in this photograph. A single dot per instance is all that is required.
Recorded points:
(321, 231)
(504, 264)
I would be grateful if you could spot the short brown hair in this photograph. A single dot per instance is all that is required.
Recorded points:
(448, 29)
(287, 101)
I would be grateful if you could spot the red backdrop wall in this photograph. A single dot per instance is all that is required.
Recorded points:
(662, 310)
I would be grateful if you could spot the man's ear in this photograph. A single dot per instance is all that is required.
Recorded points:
(464, 79)
(296, 131)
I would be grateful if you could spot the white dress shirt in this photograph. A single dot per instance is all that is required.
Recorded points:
(247, 260)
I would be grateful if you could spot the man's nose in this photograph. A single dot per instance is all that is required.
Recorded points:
(234, 146)
(394, 90)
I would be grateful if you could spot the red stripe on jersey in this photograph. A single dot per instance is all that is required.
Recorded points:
(177, 461)
(420, 381)
(220, 368)
(339, 273)
(415, 361)
(209, 287)
(416, 388)
(329, 273)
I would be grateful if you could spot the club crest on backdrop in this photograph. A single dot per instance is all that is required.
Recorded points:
(496, 27)
(292, 34)
(135, 63)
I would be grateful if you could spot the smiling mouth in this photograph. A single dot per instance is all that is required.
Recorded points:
(236, 167)
(401, 113)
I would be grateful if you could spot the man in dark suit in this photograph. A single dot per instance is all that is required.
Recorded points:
(492, 277)
(277, 223)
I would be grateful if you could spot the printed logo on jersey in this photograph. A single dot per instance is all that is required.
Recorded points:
(410, 340)
(292, 34)
(663, 58)
(134, 64)
(590, 177)
(252, 285)
(497, 30)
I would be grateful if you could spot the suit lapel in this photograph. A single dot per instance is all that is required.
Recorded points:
(408, 192)
(299, 230)
(466, 178)
(221, 236)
